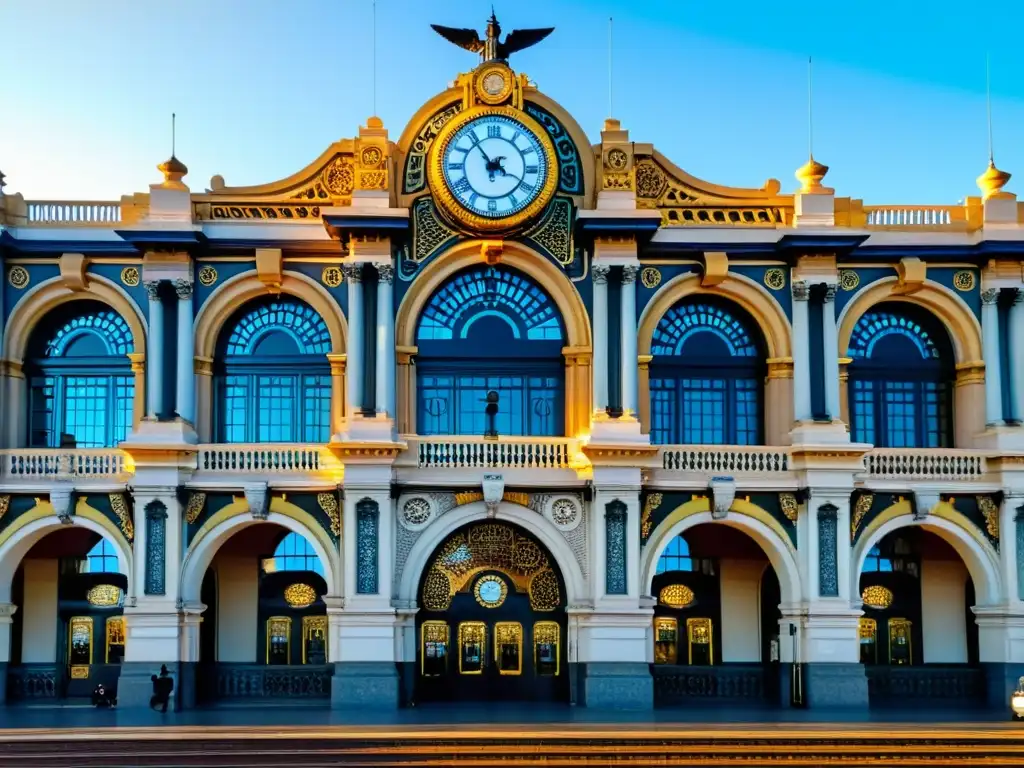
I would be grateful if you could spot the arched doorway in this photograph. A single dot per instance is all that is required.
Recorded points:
(68, 634)
(716, 619)
(264, 631)
(492, 622)
(918, 638)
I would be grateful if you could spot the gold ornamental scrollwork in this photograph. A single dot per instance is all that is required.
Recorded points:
(877, 597)
(18, 277)
(775, 278)
(860, 509)
(676, 596)
(299, 595)
(789, 505)
(332, 276)
(650, 277)
(5, 504)
(329, 504)
(652, 504)
(848, 280)
(990, 511)
(124, 517)
(130, 276)
(339, 177)
(964, 280)
(207, 276)
(104, 596)
(194, 509)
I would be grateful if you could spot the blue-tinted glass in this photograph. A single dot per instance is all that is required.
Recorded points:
(676, 556)
(294, 553)
(101, 558)
(527, 405)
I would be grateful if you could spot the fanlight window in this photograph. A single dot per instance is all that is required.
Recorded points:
(294, 553)
(706, 377)
(81, 386)
(490, 330)
(273, 378)
(900, 379)
(102, 558)
(677, 557)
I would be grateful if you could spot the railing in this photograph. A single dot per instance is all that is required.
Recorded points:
(680, 685)
(49, 463)
(76, 212)
(938, 217)
(927, 683)
(925, 464)
(32, 681)
(264, 458)
(257, 681)
(505, 452)
(730, 459)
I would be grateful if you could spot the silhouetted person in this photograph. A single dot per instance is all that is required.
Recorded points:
(101, 698)
(162, 687)
(492, 414)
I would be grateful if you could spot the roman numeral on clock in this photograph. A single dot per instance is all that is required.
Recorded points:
(494, 131)
(527, 188)
(528, 169)
(455, 166)
(460, 186)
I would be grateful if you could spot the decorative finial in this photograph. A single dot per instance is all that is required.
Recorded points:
(992, 181)
(491, 48)
(811, 173)
(173, 169)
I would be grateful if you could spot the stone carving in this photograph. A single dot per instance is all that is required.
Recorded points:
(156, 543)
(790, 506)
(564, 512)
(329, 504)
(416, 511)
(599, 273)
(194, 509)
(723, 494)
(183, 288)
(494, 489)
(828, 567)
(801, 290)
(256, 497)
(61, 499)
(367, 531)
(923, 504)
(615, 548)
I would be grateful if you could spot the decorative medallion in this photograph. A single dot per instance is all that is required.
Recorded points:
(848, 279)
(104, 596)
(416, 511)
(339, 177)
(617, 159)
(371, 156)
(332, 276)
(563, 512)
(207, 276)
(676, 596)
(963, 280)
(490, 591)
(650, 277)
(18, 277)
(329, 504)
(130, 276)
(299, 595)
(775, 278)
(789, 505)
(877, 597)
(494, 84)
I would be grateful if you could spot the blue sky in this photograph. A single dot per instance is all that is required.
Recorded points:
(261, 87)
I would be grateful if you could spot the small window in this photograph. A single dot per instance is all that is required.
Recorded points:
(314, 640)
(435, 637)
(472, 647)
(279, 630)
(102, 558)
(80, 646)
(868, 636)
(546, 648)
(508, 647)
(666, 640)
(115, 640)
(294, 553)
(900, 651)
(700, 638)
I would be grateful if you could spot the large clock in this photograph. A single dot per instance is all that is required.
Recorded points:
(493, 168)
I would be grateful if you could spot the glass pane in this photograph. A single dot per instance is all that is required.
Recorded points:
(435, 639)
(508, 647)
(868, 641)
(546, 645)
(80, 641)
(472, 644)
(115, 640)
(279, 630)
(899, 642)
(700, 637)
(666, 641)
(275, 403)
(314, 640)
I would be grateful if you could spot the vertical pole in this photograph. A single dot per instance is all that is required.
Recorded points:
(155, 351)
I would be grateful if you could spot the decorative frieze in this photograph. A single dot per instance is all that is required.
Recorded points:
(156, 542)
(367, 532)
(828, 566)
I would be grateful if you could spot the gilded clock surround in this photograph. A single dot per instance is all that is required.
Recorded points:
(449, 204)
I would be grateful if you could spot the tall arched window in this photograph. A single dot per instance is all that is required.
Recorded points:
(900, 379)
(294, 553)
(706, 376)
(81, 386)
(273, 380)
(490, 329)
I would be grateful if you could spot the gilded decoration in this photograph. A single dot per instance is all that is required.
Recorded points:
(18, 277)
(963, 280)
(490, 547)
(207, 276)
(329, 504)
(429, 232)
(789, 505)
(104, 596)
(194, 509)
(570, 175)
(124, 516)
(490, 591)
(332, 276)
(415, 164)
(299, 595)
(848, 280)
(877, 596)
(775, 278)
(617, 160)
(676, 596)
(130, 276)
(652, 504)
(80, 672)
(650, 277)
(494, 83)
(990, 511)
(554, 233)
(860, 509)
(5, 504)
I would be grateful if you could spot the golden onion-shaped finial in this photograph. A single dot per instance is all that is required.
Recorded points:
(810, 175)
(992, 181)
(173, 170)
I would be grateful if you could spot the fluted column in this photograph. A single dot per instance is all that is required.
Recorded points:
(801, 352)
(990, 349)
(154, 352)
(354, 366)
(185, 389)
(831, 352)
(385, 341)
(1017, 355)
(600, 320)
(627, 325)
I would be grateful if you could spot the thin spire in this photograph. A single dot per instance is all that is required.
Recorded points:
(988, 106)
(810, 107)
(611, 111)
(174, 132)
(374, 57)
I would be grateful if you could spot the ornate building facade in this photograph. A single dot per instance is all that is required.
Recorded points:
(486, 411)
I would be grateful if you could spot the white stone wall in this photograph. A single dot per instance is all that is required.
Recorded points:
(943, 618)
(740, 630)
(237, 608)
(39, 613)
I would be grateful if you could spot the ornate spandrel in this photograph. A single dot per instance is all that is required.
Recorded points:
(570, 175)
(615, 548)
(367, 544)
(554, 233)
(156, 544)
(416, 161)
(828, 567)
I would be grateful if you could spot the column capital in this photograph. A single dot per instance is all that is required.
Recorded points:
(152, 287)
(386, 273)
(629, 273)
(183, 288)
(1018, 296)
(801, 290)
(830, 292)
(600, 273)
(353, 272)
(990, 296)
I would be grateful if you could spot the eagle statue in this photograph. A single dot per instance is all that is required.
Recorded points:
(490, 48)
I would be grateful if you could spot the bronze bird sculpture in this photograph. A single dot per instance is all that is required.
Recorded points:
(491, 49)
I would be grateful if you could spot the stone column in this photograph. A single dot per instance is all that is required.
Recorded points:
(185, 389)
(354, 365)
(338, 412)
(990, 349)
(7, 611)
(831, 353)
(16, 402)
(801, 353)
(600, 321)
(1017, 355)
(627, 324)
(385, 341)
(155, 362)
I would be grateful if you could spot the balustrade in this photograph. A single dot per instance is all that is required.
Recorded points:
(73, 212)
(256, 681)
(728, 459)
(676, 685)
(48, 463)
(929, 683)
(506, 452)
(925, 464)
(264, 458)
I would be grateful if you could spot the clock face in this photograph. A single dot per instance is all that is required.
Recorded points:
(490, 591)
(495, 167)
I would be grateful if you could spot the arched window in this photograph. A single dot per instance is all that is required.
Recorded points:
(706, 376)
(294, 553)
(876, 562)
(101, 558)
(273, 380)
(900, 379)
(676, 556)
(490, 329)
(81, 386)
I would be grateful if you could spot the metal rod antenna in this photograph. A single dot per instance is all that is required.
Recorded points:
(611, 111)
(174, 133)
(988, 105)
(810, 107)
(374, 57)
